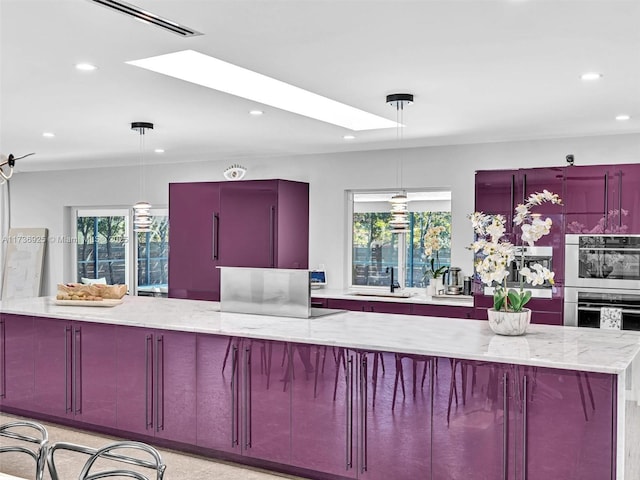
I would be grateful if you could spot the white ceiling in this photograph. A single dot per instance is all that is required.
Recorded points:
(481, 71)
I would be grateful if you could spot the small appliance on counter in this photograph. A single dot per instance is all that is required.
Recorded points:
(318, 278)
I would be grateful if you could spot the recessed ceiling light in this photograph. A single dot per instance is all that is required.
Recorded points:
(48, 134)
(623, 117)
(86, 67)
(195, 67)
(256, 112)
(591, 76)
(159, 150)
(349, 137)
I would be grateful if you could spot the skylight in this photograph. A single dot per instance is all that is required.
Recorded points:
(201, 69)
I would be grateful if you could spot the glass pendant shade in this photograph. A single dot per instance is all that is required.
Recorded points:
(399, 222)
(142, 217)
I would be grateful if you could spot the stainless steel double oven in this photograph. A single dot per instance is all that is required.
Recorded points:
(602, 272)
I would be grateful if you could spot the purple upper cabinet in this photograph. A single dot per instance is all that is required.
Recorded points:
(194, 216)
(244, 397)
(591, 193)
(495, 193)
(624, 216)
(564, 428)
(16, 361)
(256, 223)
(156, 383)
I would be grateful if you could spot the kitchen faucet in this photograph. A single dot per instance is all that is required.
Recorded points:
(392, 284)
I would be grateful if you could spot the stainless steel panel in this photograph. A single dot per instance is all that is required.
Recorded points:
(265, 291)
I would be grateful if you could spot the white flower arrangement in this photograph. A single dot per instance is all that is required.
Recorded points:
(432, 246)
(495, 256)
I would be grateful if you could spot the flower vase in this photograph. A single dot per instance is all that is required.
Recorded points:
(438, 286)
(509, 323)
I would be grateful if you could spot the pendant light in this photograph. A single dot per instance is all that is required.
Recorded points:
(142, 209)
(399, 222)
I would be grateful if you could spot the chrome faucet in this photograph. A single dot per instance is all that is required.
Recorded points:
(393, 284)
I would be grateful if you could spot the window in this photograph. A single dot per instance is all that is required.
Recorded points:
(374, 249)
(103, 250)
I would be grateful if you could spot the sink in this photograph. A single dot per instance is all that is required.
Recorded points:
(382, 294)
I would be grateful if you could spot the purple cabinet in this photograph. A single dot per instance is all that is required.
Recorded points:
(623, 217)
(74, 370)
(156, 383)
(359, 414)
(16, 361)
(194, 219)
(546, 311)
(515, 422)
(244, 397)
(257, 223)
(442, 311)
(369, 306)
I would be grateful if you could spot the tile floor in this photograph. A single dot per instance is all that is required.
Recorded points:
(180, 466)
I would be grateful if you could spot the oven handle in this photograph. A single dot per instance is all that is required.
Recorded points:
(610, 249)
(595, 309)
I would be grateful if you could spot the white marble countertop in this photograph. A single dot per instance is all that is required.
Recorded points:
(417, 296)
(586, 349)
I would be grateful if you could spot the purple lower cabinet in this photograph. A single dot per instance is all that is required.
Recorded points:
(361, 414)
(156, 383)
(566, 429)
(53, 379)
(244, 397)
(469, 411)
(442, 311)
(16, 361)
(94, 370)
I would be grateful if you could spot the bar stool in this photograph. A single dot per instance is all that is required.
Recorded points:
(37, 435)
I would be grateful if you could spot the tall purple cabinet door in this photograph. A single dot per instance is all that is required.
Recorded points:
(53, 377)
(175, 381)
(324, 429)
(248, 224)
(265, 418)
(394, 440)
(471, 419)
(626, 218)
(194, 216)
(134, 380)
(16, 361)
(566, 429)
(94, 397)
(495, 193)
(590, 191)
(218, 392)
(292, 225)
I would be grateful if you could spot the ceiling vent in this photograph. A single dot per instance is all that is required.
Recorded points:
(148, 17)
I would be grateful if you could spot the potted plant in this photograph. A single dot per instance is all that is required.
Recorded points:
(432, 244)
(494, 255)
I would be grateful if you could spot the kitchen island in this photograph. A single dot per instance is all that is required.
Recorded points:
(346, 395)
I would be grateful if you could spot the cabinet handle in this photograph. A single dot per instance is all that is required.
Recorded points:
(505, 424)
(159, 383)
(214, 236)
(620, 199)
(76, 369)
(234, 396)
(148, 419)
(524, 188)
(247, 398)
(272, 232)
(67, 347)
(363, 414)
(525, 399)
(606, 200)
(3, 359)
(513, 202)
(349, 374)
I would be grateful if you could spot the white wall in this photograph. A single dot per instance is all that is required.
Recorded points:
(38, 199)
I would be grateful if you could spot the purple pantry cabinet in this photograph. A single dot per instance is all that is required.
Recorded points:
(243, 397)
(347, 420)
(624, 218)
(16, 361)
(590, 192)
(156, 377)
(256, 223)
(193, 218)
